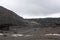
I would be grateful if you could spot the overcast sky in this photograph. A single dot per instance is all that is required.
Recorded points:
(33, 8)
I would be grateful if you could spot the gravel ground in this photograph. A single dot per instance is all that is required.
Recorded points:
(31, 34)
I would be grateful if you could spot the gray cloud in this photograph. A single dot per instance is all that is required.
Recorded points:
(45, 7)
(32, 8)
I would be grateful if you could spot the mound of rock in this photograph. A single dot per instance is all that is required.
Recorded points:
(9, 18)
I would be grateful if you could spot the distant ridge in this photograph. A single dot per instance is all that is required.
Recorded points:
(45, 22)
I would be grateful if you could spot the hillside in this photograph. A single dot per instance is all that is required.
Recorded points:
(10, 18)
(46, 22)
